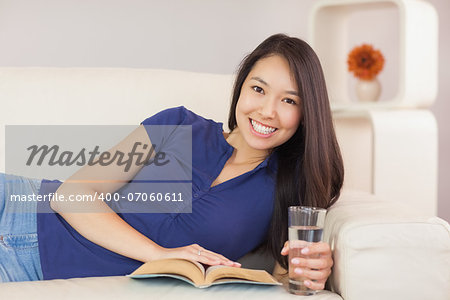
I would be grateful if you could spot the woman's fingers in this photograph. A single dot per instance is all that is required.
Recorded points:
(313, 274)
(217, 255)
(208, 258)
(317, 248)
(198, 253)
(205, 259)
(315, 285)
(311, 248)
(285, 250)
(313, 263)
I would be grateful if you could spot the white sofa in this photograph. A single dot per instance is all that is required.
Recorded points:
(383, 248)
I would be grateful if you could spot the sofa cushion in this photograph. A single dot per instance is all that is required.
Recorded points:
(121, 287)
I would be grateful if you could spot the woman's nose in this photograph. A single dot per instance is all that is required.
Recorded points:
(268, 108)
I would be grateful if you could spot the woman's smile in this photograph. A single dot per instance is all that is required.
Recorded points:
(261, 129)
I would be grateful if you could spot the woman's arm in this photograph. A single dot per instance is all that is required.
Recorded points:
(315, 265)
(97, 222)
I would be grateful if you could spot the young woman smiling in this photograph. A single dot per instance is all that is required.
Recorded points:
(281, 151)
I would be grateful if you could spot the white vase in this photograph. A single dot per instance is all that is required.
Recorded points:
(368, 90)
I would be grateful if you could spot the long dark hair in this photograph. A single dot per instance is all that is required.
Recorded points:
(310, 168)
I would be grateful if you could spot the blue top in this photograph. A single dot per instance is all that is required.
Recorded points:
(231, 218)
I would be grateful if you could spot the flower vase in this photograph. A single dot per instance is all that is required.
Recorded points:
(368, 90)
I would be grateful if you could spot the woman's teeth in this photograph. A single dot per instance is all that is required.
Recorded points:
(261, 128)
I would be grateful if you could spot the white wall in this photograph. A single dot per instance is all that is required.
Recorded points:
(196, 35)
(441, 108)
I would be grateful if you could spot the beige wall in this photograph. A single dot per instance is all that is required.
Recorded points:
(196, 35)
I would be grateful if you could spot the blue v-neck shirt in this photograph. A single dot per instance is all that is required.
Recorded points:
(231, 218)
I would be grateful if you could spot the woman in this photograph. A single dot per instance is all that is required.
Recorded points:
(281, 151)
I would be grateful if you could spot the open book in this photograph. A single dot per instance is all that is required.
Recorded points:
(195, 274)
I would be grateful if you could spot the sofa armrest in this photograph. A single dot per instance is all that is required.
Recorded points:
(386, 250)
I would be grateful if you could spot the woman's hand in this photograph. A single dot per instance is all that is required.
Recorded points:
(314, 264)
(197, 253)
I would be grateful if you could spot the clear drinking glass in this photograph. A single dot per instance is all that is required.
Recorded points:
(305, 227)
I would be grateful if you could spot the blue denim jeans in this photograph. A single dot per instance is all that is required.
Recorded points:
(19, 251)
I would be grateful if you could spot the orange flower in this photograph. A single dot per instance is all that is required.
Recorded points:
(365, 62)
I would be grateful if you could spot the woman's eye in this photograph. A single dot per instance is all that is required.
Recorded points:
(258, 89)
(289, 101)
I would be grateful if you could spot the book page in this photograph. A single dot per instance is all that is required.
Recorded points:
(218, 272)
(187, 268)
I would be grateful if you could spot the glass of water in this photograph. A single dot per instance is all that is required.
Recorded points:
(305, 227)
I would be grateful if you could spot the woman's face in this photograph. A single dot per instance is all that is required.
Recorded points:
(268, 111)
